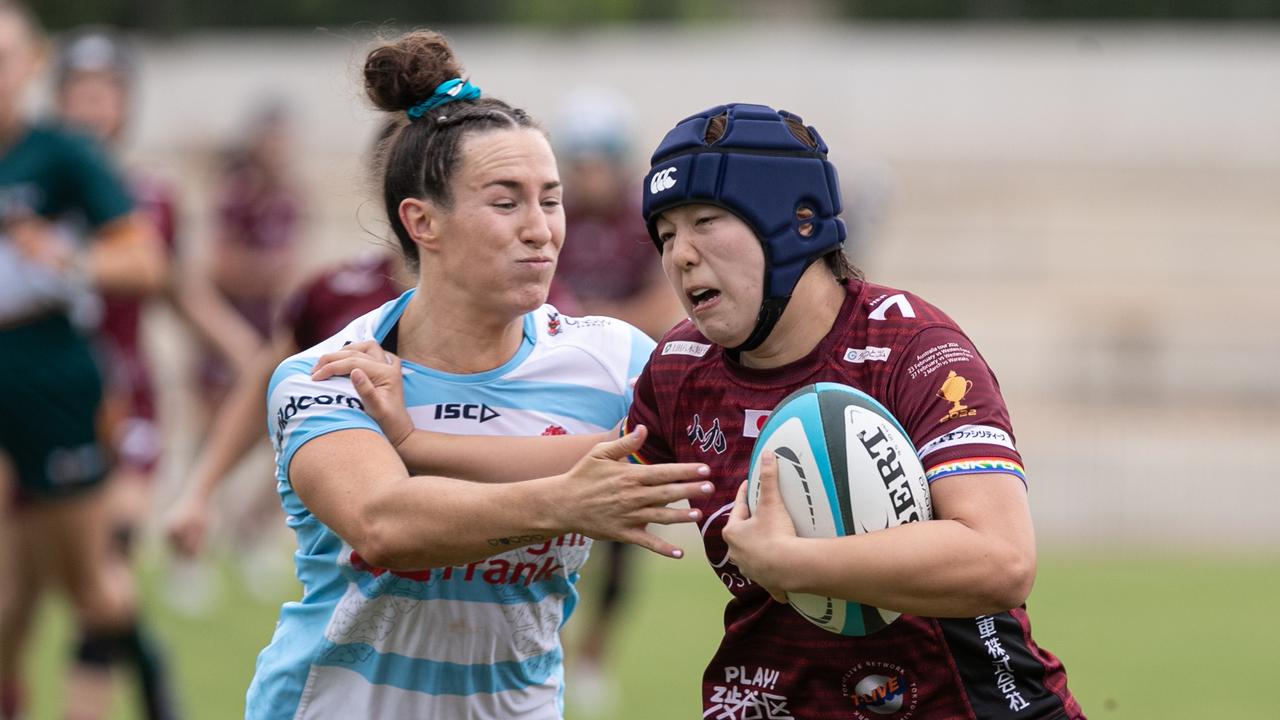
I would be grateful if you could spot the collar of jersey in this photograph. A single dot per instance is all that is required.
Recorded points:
(529, 339)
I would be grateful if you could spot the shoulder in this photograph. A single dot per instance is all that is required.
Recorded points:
(611, 345)
(558, 329)
(896, 307)
(887, 320)
(300, 408)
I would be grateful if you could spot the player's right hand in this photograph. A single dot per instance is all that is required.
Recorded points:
(187, 526)
(378, 380)
(608, 498)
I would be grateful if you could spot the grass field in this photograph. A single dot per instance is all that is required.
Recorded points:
(1152, 636)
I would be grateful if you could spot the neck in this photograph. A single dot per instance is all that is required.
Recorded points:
(455, 337)
(809, 316)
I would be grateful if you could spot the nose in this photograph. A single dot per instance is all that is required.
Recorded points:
(538, 228)
(680, 251)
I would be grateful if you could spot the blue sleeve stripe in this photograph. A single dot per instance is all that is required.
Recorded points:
(286, 370)
(598, 407)
(391, 312)
(570, 602)
(314, 427)
(436, 677)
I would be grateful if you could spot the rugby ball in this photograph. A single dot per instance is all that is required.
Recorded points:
(845, 467)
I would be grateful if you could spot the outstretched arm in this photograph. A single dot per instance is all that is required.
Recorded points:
(377, 377)
(200, 304)
(353, 482)
(235, 430)
(484, 458)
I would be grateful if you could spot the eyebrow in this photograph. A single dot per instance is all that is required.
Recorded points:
(513, 185)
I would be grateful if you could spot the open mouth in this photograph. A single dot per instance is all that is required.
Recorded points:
(702, 297)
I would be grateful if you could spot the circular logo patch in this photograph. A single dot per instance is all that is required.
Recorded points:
(880, 690)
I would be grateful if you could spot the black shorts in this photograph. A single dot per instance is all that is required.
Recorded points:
(49, 409)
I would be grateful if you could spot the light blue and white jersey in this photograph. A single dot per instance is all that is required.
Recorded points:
(479, 641)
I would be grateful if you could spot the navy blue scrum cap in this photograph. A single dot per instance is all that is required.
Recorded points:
(759, 171)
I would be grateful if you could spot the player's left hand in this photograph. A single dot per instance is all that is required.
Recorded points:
(378, 379)
(756, 542)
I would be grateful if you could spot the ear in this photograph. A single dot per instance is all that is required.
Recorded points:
(422, 218)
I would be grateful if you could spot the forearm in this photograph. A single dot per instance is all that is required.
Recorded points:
(937, 568)
(236, 428)
(427, 522)
(217, 323)
(127, 258)
(483, 458)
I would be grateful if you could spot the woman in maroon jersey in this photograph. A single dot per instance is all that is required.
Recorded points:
(744, 208)
(743, 205)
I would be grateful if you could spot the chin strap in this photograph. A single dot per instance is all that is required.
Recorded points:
(770, 313)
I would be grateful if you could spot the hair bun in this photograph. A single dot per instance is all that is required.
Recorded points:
(400, 74)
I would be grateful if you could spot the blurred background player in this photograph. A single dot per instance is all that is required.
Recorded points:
(607, 264)
(94, 82)
(254, 249)
(322, 306)
(69, 227)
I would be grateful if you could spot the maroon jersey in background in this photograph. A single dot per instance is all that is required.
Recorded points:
(258, 214)
(772, 663)
(127, 371)
(327, 302)
(606, 258)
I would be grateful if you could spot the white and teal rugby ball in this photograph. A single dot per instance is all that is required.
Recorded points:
(845, 467)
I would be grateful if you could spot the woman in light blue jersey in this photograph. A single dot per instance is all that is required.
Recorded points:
(431, 596)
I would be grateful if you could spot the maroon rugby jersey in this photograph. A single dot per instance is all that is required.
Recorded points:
(121, 317)
(772, 663)
(617, 240)
(332, 299)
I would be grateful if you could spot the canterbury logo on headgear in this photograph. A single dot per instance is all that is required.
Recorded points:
(662, 180)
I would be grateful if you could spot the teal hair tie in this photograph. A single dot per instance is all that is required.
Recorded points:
(446, 92)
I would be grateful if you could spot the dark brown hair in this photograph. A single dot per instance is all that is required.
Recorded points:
(836, 261)
(421, 158)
